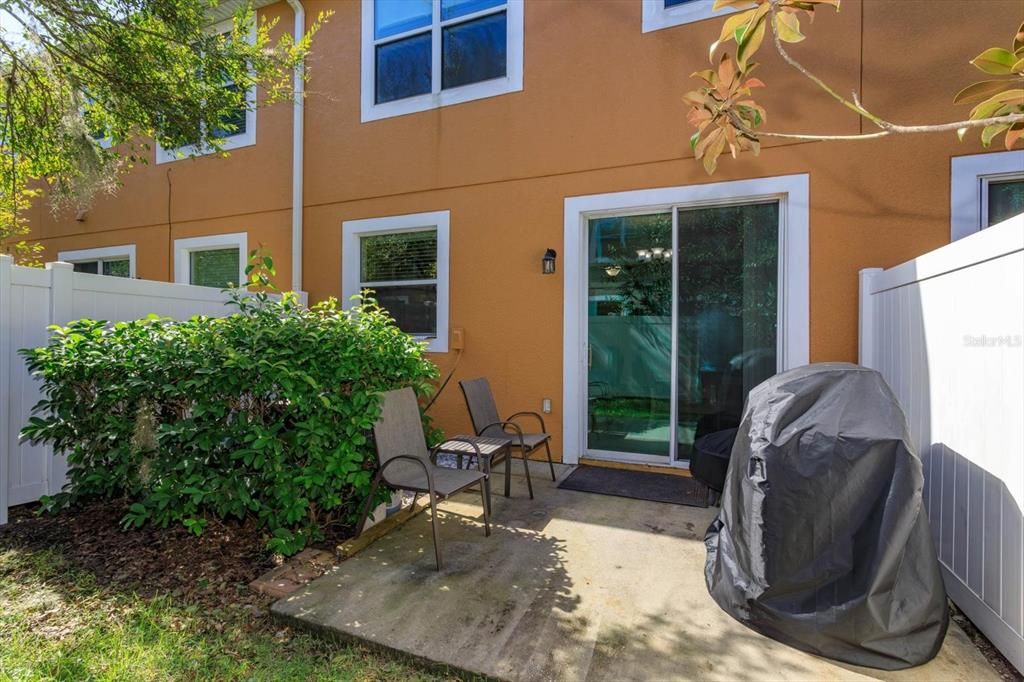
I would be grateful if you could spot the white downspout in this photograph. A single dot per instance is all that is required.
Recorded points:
(298, 109)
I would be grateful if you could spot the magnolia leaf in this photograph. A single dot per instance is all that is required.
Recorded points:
(980, 90)
(1013, 135)
(787, 25)
(995, 60)
(694, 139)
(706, 75)
(1018, 40)
(751, 43)
(730, 25)
(710, 139)
(1013, 96)
(1018, 67)
(997, 101)
(726, 73)
(712, 153)
(988, 133)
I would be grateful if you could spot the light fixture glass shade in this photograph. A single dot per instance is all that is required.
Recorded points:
(548, 262)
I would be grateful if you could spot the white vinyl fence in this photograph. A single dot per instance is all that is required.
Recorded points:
(947, 332)
(31, 299)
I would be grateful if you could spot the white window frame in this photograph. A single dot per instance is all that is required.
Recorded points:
(100, 254)
(244, 139)
(184, 248)
(656, 16)
(968, 188)
(353, 230)
(512, 82)
(793, 194)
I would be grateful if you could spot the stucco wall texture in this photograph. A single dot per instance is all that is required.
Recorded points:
(600, 111)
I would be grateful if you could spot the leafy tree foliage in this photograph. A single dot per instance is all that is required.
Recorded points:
(727, 117)
(88, 84)
(265, 413)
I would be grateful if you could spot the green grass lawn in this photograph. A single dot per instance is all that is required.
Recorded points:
(57, 623)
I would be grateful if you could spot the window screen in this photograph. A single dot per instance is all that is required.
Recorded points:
(214, 267)
(401, 269)
(1005, 200)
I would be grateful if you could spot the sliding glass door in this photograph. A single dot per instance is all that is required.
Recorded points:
(682, 323)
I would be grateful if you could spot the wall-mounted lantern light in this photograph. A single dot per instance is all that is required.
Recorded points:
(548, 262)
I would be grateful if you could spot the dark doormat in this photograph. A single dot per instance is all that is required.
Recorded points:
(640, 485)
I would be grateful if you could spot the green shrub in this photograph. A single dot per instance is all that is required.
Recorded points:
(267, 412)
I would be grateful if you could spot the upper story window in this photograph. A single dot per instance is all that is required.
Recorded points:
(985, 189)
(659, 14)
(423, 54)
(404, 260)
(114, 261)
(237, 129)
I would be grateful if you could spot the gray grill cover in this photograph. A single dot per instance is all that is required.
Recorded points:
(822, 541)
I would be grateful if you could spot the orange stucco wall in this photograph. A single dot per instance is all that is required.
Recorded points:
(600, 112)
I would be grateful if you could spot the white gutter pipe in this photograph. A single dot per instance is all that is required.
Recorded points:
(298, 110)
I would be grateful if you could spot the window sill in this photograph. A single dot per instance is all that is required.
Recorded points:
(445, 98)
(193, 151)
(656, 16)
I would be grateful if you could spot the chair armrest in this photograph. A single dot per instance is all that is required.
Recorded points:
(543, 428)
(503, 424)
(437, 448)
(412, 458)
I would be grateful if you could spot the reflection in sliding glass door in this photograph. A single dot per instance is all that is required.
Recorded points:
(682, 322)
(727, 291)
(629, 331)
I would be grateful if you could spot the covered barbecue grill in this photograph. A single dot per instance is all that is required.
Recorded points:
(822, 541)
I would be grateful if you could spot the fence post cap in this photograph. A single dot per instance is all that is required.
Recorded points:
(59, 265)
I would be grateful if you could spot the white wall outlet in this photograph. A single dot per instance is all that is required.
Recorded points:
(545, 405)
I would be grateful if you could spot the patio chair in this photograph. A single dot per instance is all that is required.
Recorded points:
(484, 413)
(404, 463)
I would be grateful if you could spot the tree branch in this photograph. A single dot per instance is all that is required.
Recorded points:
(859, 110)
(888, 127)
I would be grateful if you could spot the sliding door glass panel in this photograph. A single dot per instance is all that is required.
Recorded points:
(727, 313)
(630, 334)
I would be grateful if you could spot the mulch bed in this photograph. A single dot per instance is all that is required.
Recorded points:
(212, 570)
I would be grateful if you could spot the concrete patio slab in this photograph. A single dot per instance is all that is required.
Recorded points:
(570, 586)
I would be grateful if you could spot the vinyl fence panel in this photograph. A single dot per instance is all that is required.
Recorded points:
(31, 299)
(947, 332)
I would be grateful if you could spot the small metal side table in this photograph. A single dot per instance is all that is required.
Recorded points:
(489, 448)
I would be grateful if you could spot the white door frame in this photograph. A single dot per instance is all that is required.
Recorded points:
(793, 194)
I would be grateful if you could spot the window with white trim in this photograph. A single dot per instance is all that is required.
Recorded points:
(985, 189)
(215, 261)
(114, 261)
(424, 54)
(404, 261)
(659, 14)
(237, 130)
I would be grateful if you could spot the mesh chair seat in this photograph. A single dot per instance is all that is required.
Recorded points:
(411, 476)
